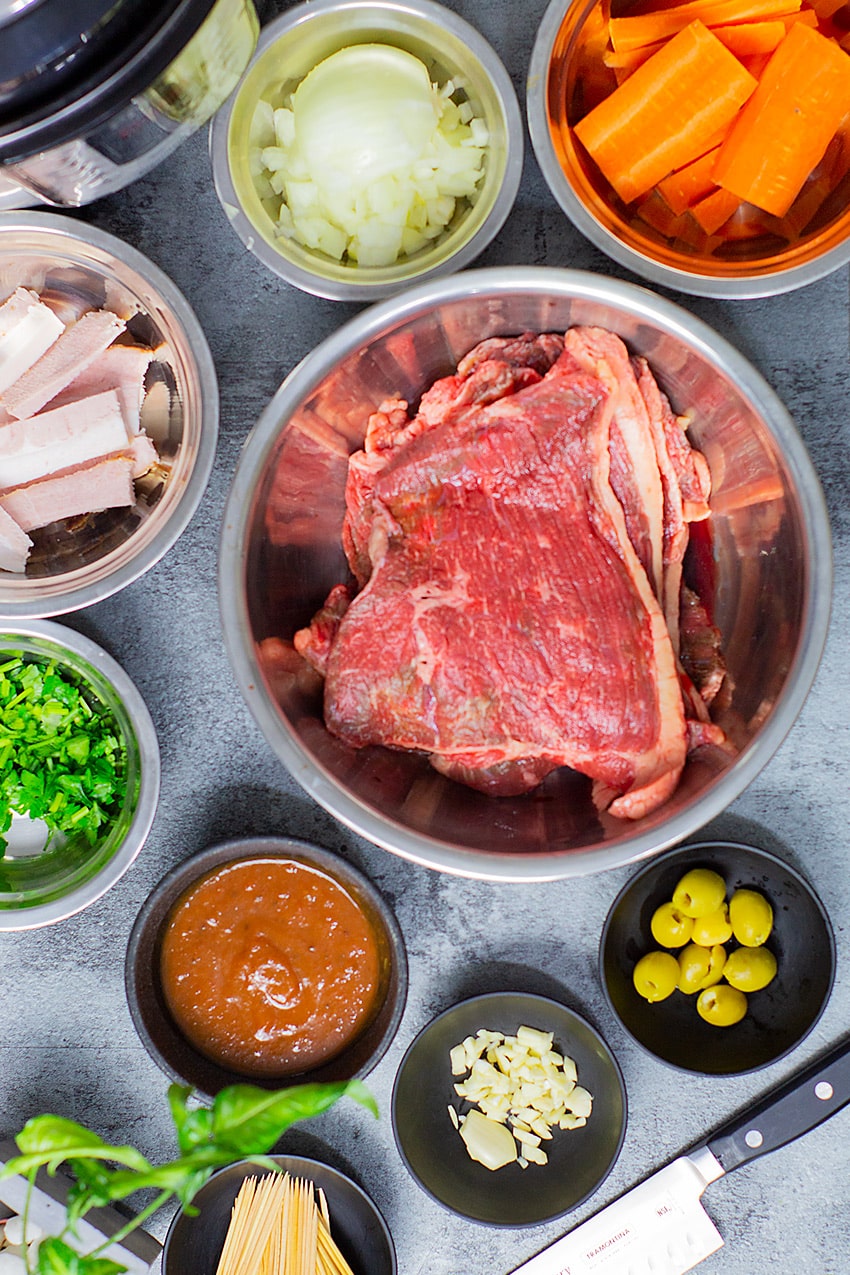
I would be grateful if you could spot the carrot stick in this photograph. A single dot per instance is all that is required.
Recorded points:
(654, 212)
(716, 208)
(745, 223)
(826, 8)
(632, 58)
(784, 129)
(751, 37)
(756, 64)
(633, 32)
(687, 185)
(666, 112)
(808, 17)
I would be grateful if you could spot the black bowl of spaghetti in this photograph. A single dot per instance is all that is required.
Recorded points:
(230, 1217)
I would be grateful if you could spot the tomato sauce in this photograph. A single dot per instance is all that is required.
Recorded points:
(269, 967)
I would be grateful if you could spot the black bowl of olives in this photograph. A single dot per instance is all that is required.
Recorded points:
(717, 958)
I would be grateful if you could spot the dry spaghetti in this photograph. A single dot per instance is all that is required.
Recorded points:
(280, 1226)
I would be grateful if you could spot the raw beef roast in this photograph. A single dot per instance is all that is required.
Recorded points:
(517, 546)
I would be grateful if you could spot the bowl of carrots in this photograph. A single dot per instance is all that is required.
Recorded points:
(705, 144)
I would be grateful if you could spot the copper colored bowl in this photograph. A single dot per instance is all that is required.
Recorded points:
(755, 256)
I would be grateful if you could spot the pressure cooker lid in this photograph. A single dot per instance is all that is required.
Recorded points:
(11, 9)
(67, 65)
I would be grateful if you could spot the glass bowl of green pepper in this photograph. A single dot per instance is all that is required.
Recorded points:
(79, 773)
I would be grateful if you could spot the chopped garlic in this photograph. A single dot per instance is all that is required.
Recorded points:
(488, 1142)
(459, 1062)
(522, 1086)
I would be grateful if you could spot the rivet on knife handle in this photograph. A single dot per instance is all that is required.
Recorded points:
(797, 1106)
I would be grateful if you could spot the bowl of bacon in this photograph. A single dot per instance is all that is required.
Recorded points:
(108, 414)
(705, 147)
(525, 574)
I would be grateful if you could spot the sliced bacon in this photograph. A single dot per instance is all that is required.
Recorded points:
(15, 544)
(28, 328)
(77, 347)
(108, 484)
(121, 368)
(55, 440)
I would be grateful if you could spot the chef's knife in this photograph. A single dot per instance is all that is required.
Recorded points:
(660, 1227)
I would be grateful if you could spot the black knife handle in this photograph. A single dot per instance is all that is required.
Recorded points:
(804, 1101)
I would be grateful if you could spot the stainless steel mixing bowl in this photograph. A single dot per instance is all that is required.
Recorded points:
(77, 267)
(280, 554)
(42, 884)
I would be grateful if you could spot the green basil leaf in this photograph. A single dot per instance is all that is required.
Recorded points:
(51, 1140)
(55, 1257)
(194, 1126)
(193, 1168)
(248, 1120)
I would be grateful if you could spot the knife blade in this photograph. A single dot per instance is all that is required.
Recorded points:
(660, 1226)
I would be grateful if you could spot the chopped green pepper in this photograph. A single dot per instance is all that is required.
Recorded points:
(62, 759)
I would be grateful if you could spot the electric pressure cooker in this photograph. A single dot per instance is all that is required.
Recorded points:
(95, 93)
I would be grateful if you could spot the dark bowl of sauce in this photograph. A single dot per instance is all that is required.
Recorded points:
(267, 960)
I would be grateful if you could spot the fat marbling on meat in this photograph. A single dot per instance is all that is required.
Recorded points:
(517, 545)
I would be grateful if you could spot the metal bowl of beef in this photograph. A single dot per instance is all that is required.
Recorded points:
(577, 597)
(108, 414)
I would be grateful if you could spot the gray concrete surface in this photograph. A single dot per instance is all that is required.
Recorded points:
(66, 1040)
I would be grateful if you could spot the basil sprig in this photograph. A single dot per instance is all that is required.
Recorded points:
(243, 1122)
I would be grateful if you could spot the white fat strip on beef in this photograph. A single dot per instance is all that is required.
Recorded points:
(506, 624)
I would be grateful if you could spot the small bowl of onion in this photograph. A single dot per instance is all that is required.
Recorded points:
(370, 143)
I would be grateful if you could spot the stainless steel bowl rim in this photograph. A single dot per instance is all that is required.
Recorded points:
(149, 781)
(364, 289)
(37, 605)
(693, 282)
(303, 380)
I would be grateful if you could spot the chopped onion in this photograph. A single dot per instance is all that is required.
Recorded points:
(368, 156)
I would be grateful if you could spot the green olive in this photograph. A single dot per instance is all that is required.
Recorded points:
(700, 967)
(700, 892)
(655, 976)
(722, 1006)
(713, 928)
(751, 916)
(716, 965)
(670, 927)
(750, 968)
